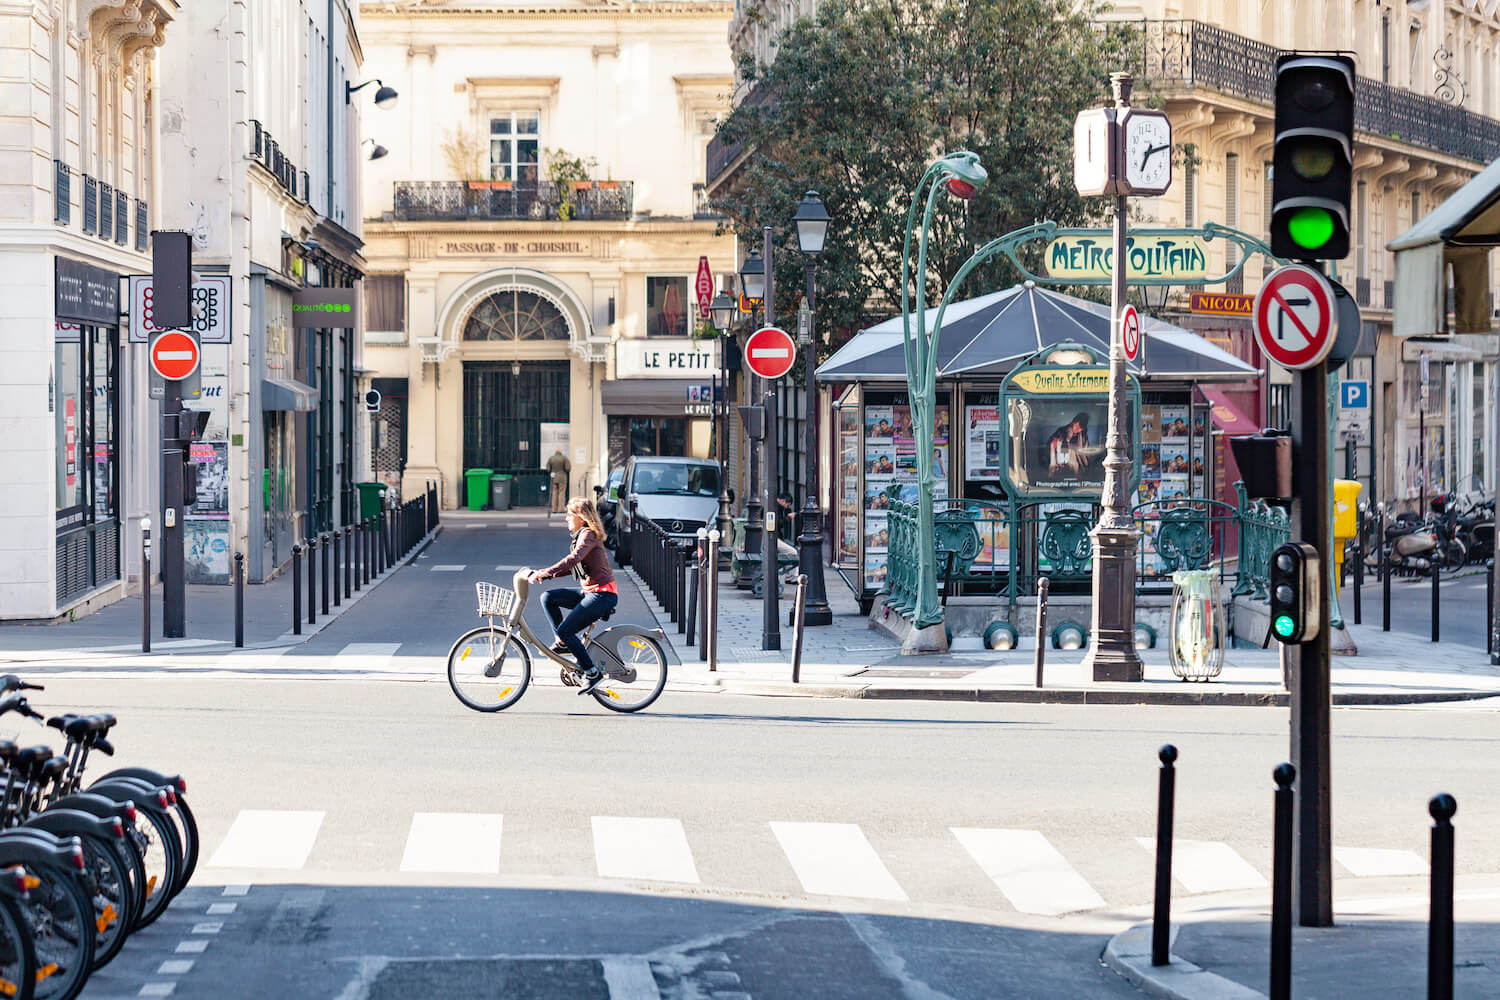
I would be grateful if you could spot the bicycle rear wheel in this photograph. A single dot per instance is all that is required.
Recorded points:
(17, 956)
(488, 670)
(635, 670)
(61, 921)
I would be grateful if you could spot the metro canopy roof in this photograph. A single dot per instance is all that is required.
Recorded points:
(991, 334)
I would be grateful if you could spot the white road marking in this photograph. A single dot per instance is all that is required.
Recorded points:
(236, 890)
(629, 979)
(447, 568)
(221, 909)
(1028, 870)
(639, 848)
(261, 659)
(197, 947)
(1208, 866)
(157, 990)
(175, 967)
(1375, 861)
(453, 842)
(835, 859)
(208, 927)
(267, 838)
(373, 656)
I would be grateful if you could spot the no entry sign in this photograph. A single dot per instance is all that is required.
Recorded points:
(770, 352)
(174, 355)
(1296, 319)
(1130, 331)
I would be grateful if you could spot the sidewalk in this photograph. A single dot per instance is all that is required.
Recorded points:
(851, 660)
(115, 630)
(1377, 949)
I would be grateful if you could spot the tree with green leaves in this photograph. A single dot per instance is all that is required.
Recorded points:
(861, 99)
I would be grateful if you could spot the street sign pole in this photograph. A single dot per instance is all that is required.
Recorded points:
(173, 566)
(771, 623)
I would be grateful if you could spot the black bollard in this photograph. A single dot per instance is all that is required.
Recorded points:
(1161, 911)
(145, 586)
(371, 571)
(323, 543)
(239, 600)
(348, 562)
(296, 590)
(338, 561)
(1489, 609)
(312, 580)
(1434, 597)
(356, 542)
(1385, 583)
(1042, 586)
(1440, 917)
(799, 626)
(1359, 577)
(1281, 885)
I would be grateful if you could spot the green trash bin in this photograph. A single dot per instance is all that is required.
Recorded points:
(477, 486)
(500, 486)
(371, 498)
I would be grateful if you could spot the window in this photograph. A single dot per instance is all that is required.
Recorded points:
(385, 303)
(666, 307)
(682, 480)
(1268, 202)
(1416, 208)
(514, 149)
(1414, 50)
(1385, 48)
(516, 315)
(1232, 214)
(1361, 230)
(1190, 195)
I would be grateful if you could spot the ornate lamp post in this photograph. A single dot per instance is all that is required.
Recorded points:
(961, 175)
(753, 285)
(812, 229)
(722, 312)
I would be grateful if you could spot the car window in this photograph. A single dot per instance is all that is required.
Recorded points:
(677, 480)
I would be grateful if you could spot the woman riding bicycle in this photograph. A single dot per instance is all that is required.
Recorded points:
(593, 601)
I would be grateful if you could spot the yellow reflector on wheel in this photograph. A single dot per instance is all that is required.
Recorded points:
(46, 971)
(466, 654)
(106, 918)
(31, 882)
(7, 988)
(637, 644)
(611, 694)
(150, 884)
(507, 691)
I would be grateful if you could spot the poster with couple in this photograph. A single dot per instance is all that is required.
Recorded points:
(1056, 446)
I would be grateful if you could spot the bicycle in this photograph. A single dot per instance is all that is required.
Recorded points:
(489, 667)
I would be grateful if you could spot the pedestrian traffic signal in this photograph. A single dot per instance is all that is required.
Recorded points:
(1312, 167)
(1295, 579)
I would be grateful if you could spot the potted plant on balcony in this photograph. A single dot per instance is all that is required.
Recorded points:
(569, 176)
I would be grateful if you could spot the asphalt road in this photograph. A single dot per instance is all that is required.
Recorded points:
(1461, 606)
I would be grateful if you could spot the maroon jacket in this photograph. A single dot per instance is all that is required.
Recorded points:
(588, 552)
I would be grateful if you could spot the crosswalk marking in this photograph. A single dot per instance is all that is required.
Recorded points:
(1208, 866)
(261, 659)
(639, 848)
(268, 838)
(1375, 861)
(453, 842)
(1029, 871)
(447, 568)
(375, 656)
(835, 859)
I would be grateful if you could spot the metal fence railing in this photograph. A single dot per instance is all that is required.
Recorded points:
(661, 560)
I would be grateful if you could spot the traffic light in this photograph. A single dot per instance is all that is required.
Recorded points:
(1295, 580)
(1312, 167)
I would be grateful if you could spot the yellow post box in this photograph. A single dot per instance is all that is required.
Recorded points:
(1345, 520)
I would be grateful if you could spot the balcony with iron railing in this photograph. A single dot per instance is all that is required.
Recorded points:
(721, 154)
(467, 201)
(1197, 54)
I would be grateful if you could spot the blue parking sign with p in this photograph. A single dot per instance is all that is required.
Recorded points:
(1354, 395)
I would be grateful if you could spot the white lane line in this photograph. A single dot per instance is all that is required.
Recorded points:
(835, 859)
(639, 848)
(373, 656)
(157, 990)
(631, 979)
(453, 842)
(447, 568)
(236, 890)
(1208, 866)
(208, 927)
(1375, 861)
(197, 947)
(268, 838)
(1028, 870)
(221, 909)
(175, 967)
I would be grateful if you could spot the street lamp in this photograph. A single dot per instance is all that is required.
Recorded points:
(753, 285)
(385, 97)
(721, 311)
(812, 230)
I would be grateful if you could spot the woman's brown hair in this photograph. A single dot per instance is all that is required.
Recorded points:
(584, 507)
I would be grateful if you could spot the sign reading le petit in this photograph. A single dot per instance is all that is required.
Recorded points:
(665, 357)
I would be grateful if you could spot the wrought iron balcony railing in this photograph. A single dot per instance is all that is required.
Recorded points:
(720, 153)
(452, 201)
(1197, 54)
(1362, 292)
(62, 193)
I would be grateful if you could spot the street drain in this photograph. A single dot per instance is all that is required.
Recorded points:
(492, 979)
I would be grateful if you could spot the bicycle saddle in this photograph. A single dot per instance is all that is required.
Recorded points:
(53, 768)
(30, 760)
(7, 751)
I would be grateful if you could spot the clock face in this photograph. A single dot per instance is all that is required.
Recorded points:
(1148, 153)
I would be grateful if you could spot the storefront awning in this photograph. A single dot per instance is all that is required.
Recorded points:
(991, 334)
(287, 394)
(656, 397)
(1227, 417)
(1459, 234)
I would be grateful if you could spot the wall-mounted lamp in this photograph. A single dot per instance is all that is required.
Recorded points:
(385, 97)
(515, 369)
(378, 151)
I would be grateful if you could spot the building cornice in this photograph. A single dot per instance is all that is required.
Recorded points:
(372, 13)
(390, 227)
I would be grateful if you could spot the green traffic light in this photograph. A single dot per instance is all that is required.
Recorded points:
(1284, 625)
(1310, 228)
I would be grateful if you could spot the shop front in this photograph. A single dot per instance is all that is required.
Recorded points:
(660, 401)
(84, 402)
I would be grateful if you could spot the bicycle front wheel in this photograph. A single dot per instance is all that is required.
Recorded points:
(488, 670)
(17, 955)
(635, 670)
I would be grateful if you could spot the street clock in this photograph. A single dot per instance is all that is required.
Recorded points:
(1096, 152)
(1146, 138)
(1122, 151)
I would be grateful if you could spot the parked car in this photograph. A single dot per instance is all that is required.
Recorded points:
(679, 494)
(607, 498)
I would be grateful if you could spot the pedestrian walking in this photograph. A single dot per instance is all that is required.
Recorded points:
(558, 467)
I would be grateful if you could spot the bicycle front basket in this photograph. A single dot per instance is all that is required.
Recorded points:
(495, 601)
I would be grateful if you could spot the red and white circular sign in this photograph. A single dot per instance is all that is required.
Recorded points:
(1296, 317)
(174, 355)
(1130, 331)
(770, 352)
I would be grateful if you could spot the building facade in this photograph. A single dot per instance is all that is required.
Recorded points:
(535, 237)
(79, 191)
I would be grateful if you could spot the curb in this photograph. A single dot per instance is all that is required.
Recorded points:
(1129, 954)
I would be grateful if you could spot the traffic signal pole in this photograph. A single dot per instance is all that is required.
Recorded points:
(771, 621)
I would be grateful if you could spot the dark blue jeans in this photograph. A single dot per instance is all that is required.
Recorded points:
(586, 609)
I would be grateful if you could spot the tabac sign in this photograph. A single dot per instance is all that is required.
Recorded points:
(1178, 257)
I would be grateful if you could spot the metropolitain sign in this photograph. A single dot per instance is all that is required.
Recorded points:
(1167, 257)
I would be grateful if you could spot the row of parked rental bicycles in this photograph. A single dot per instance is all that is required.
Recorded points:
(83, 862)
